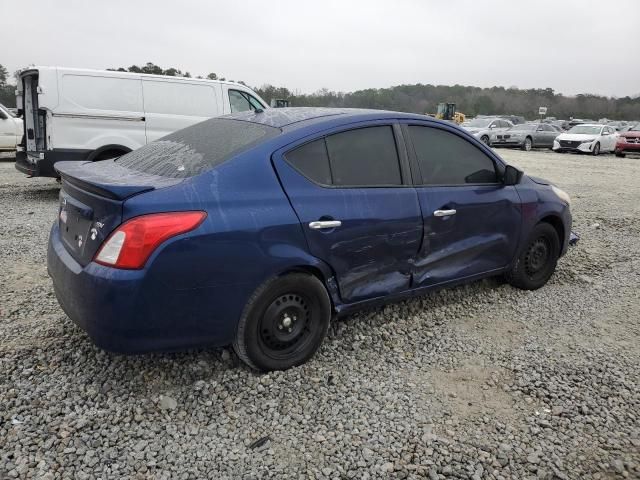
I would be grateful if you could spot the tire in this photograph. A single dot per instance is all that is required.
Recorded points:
(538, 259)
(620, 155)
(527, 145)
(596, 149)
(485, 139)
(283, 323)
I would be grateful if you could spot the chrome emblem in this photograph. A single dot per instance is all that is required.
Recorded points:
(79, 240)
(94, 233)
(63, 216)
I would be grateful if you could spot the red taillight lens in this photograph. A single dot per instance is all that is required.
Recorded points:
(131, 244)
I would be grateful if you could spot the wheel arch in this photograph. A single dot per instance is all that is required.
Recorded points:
(557, 224)
(108, 148)
(322, 273)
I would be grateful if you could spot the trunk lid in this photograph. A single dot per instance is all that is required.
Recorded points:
(91, 200)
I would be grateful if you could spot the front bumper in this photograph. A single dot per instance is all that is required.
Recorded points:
(134, 311)
(509, 142)
(581, 148)
(624, 147)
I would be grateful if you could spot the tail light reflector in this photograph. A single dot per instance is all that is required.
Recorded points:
(132, 243)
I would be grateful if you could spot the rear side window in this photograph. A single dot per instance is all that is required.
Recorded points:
(193, 150)
(365, 157)
(447, 159)
(312, 161)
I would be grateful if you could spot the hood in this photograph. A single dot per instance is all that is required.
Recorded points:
(473, 130)
(631, 134)
(576, 136)
(539, 181)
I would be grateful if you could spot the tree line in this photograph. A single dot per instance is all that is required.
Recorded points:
(420, 98)
(424, 98)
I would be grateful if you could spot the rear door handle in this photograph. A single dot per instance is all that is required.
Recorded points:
(320, 224)
(444, 213)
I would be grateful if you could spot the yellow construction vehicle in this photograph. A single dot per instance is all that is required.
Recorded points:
(447, 111)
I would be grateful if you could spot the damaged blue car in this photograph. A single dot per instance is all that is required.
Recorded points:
(257, 228)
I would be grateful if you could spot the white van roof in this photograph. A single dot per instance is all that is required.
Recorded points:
(115, 73)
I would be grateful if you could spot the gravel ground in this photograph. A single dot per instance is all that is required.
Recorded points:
(481, 381)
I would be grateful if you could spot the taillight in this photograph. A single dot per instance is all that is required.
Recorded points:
(131, 244)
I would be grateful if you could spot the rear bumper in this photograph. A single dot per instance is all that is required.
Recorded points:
(40, 164)
(132, 311)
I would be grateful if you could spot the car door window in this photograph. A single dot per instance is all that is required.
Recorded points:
(364, 157)
(445, 158)
(242, 101)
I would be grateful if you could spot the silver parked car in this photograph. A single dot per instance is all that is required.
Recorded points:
(484, 128)
(526, 136)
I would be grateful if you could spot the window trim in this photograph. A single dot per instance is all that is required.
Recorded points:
(401, 151)
(498, 166)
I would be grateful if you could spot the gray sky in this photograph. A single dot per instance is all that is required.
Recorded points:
(570, 46)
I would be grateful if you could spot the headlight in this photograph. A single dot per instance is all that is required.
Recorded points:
(562, 195)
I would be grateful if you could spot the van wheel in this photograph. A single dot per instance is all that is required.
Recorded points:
(537, 260)
(283, 323)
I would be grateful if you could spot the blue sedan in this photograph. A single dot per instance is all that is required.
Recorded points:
(257, 228)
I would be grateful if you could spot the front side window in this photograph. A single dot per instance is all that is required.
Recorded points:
(447, 159)
(242, 101)
(365, 157)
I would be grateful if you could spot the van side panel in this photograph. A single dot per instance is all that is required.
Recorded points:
(171, 105)
(94, 111)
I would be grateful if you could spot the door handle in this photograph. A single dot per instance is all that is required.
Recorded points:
(444, 213)
(320, 224)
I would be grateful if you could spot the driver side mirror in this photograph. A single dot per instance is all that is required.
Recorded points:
(606, 133)
(511, 176)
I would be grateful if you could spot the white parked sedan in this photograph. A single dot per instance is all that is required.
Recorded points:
(587, 138)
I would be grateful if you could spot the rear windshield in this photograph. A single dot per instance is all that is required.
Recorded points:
(191, 151)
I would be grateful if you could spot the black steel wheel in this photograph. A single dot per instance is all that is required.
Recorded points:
(283, 323)
(537, 260)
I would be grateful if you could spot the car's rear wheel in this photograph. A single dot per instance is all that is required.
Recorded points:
(537, 260)
(596, 150)
(485, 139)
(528, 143)
(283, 323)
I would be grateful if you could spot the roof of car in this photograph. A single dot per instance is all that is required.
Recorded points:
(283, 117)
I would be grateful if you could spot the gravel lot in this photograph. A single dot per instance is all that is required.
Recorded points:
(482, 381)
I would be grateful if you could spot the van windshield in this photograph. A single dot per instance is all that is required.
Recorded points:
(193, 150)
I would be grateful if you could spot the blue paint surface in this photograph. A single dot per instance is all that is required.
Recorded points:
(194, 287)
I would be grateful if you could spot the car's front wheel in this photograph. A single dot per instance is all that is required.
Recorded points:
(537, 260)
(283, 323)
(596, 150)
(485, 139)
(528, 143)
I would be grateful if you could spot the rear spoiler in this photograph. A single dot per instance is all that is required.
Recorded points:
(110, 180)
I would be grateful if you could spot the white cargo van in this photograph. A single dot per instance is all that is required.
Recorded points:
(77, 114)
